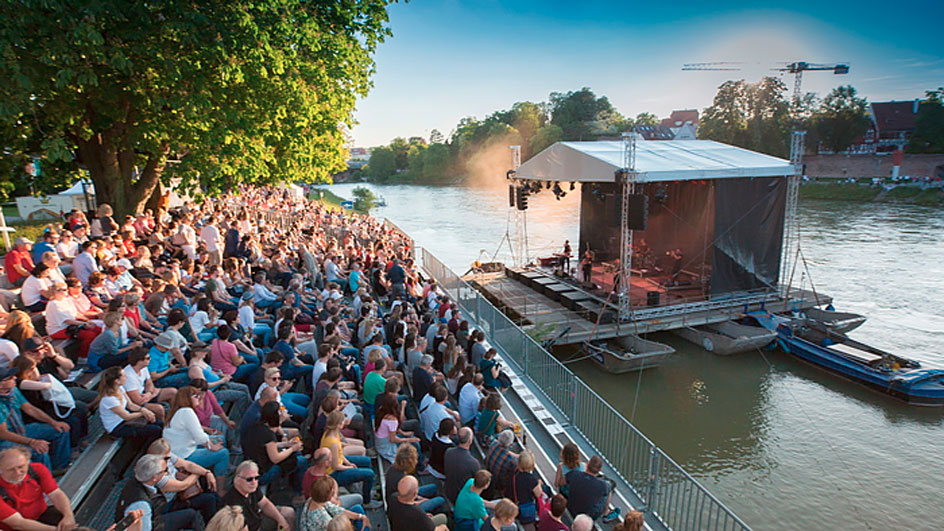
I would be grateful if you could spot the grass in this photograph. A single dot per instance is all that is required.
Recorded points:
(903, 193)
(29, 229)
(838, 191)
(329, 198)
(931, 197)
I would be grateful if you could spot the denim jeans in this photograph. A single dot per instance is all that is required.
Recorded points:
(433, 502)
(238, 395)
(244, 371)
(218, 461)
(298, 372)
(296, 404)
(363, 473)
(301, 464)
(175, 380)
(59, 448)
(265, 331)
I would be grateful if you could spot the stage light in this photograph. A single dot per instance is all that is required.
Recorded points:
(661, 195)
(548, 185)
(572, 185)
(510, 173)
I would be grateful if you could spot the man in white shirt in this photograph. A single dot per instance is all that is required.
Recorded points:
(140, 387)
(263, 296)
(67, 247)
(470, 396)
(432, 414)
(189, 237)
(211, 237)
(37, 288)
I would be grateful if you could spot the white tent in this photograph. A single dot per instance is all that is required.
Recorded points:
(656, 160)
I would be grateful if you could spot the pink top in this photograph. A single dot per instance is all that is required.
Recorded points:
(209, 407)
(221, 356)
(387, 426)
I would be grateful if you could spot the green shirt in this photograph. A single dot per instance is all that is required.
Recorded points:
(373, 386)
(469, 505)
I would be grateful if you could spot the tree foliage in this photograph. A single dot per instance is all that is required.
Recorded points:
(841, 119)
(754, 116)
(252, 91)
(364, 199)
(581, 115)
(928, 135)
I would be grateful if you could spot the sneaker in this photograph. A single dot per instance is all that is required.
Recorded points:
(373, 505)
(612, 515)
(371, 453)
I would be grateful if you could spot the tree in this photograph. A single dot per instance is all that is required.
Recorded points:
(646, 118)
(229, 92)
(437, 160)
(382, 164)
(545, 137)
(842, 118)
(581, 115)
(364, 199)
(754, 116)
(435, 137)
(928, 136)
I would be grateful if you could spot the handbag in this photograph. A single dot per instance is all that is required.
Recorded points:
(193, 490)
(527, 512)
(58, 394)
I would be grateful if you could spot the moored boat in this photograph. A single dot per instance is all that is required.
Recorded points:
(627, 353)
(895, 375)
(841, 322)
(727, 338)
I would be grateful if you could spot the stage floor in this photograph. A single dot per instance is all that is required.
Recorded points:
(677, 309)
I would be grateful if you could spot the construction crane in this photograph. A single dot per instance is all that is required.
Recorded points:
(796, 68)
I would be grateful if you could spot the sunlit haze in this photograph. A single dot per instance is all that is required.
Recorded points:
(448, 60)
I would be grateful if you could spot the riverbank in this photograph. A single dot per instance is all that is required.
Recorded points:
(905, 194)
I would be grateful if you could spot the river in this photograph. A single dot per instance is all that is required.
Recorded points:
(781, 443)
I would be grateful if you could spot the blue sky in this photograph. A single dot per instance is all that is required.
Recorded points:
(451, 59)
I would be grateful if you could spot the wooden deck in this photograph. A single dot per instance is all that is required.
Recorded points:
(539, 299)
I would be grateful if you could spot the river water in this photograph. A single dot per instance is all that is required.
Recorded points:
(781, 443)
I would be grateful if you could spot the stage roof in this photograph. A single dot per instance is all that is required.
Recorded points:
(656, 160)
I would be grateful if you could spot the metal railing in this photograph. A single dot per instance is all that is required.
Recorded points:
(668, 492)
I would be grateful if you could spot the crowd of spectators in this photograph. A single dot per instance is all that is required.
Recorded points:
(261, 343)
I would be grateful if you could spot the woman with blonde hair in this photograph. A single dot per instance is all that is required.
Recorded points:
(504, 518)
(19, 327)
(229, 518)
(346, 469)
(525, 489)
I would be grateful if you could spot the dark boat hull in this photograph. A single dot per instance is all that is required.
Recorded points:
(920, 387)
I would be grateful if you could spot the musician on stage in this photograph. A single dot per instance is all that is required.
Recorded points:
(565, 257)
(586, 265)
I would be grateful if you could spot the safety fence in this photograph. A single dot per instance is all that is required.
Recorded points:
(666, 490)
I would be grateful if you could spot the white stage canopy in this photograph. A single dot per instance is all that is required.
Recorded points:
(656, 160)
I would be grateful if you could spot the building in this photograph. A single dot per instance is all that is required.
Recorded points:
(358, 157)
(892, 123)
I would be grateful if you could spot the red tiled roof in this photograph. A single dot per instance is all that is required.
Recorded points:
(679, 118)
(894, 115)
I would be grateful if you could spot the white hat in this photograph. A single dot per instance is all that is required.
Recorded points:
(125, 263)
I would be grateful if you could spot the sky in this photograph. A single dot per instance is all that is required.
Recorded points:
(450, 59)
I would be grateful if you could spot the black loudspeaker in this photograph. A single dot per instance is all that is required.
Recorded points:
(511, 195)
(652, 298)
(638, 211)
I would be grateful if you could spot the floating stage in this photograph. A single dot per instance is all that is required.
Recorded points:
(536, 297)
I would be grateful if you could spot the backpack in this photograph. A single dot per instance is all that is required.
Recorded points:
(5, 496)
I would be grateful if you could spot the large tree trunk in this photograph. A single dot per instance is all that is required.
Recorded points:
(111, 168)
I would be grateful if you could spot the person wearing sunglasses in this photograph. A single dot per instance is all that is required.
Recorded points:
(258, 510)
